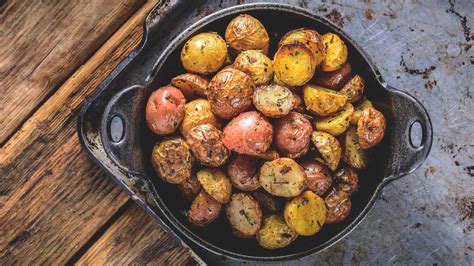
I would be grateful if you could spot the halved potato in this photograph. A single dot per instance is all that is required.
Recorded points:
(216, 184)
(197, 112)
(273, 100)
(256, 65)
(204, 53)
(352, 153)
(354, 89)
(294, 64)
(328, 147)
(305, 213)
(244, 215)
(337, 123)
(308, 37)
(321, 101)
(275, 233)
(191, 84)
(358, 111)
(282, 177)
(268, 155)
(336, 52)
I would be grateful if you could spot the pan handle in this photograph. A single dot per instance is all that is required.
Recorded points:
(407, 155)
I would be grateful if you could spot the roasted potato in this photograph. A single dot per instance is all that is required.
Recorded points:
(279, 82)
(282, 177)
(294, 64)
(358, 111)
(247, 33)
(308, 37)
(292, 134)
(256, 65)
(352, 153)
(242, 171)
(346, 180)
(204, 210)
(334, 80)
(190, 188)
(204, 53)
(354, 89)
(191, 84)
(337, 123)
(172, 160)
(318, 176)
(196, 113)
(370, 128)
(215, 183)
(268, 155)
(267, 201)
(275, 233)
(165, 110)
(244, 215)
(305, 213)
(336, 52)
(338, 206)
(328, 147)
(249, 133)
(273, 100)
(206, 145)
(321, 101)
(298, 106)
(230, 93)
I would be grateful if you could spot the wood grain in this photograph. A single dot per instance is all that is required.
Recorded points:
(51, 39)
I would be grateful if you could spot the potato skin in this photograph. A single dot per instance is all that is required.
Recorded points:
(352, 153)
(334, 80)
(292, 134)
(294, 64)
(328, 147)
(230, 92)
(190, 188)
(244, 215)
(255, 64)
(322, 101)
(165, 110)
(318, 176)
(358, 111)
(247, 33)
(311, 38)
(215, 183)
(191, 84)
(337, 123)
(196, 113)
(336, 52)
(338, 206)
(346, 180)
(273, 100)
(248, 133)
(354, 89)
(370, 128)
(275, 233)
(204, 210)
(206, 145)
(282, 177)
(268, 202)
(305, 213)
(243, 172)
(172, 160)
(204, 53)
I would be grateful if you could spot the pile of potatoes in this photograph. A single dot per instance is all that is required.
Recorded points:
(262, 139)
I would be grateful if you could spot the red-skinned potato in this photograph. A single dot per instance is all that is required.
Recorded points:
(333, 80)
(248, 133)
(338, 206)
(190, 188)
(292, 134)
(165, 110)
(370, 128)
(204, 210)
(242, 171)
(318, 176)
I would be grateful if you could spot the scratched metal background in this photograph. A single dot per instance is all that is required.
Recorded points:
(424, 48)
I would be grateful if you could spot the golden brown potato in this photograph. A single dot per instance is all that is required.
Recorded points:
(328, 147)
(333, 80)
(294, 64)
(370, 128)
(338, 206)
(282, 177)
(352, 153)
(215, 183)
(321, 101)
(247, 33)
(318, 176)
(204, 53)
(358, 111)
(268, 155)
(230, 93)
(275, 233)
(267, 201)
(255, 64)
(308, 37)
(273, 100)
(196, 113)
(206, 145)
(243, 172)
(244, 215)
(336, 52)
(190, 188)
(337, 123)
(346, 180)
(172, 160)
(279, 82)
(305, 213)
(204, 210)
(354, 89)
(191, 84)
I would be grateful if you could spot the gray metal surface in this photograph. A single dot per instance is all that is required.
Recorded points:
(423, 48)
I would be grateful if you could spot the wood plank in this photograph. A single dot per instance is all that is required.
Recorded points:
(52, 197)
(43, 42)
(136, 239)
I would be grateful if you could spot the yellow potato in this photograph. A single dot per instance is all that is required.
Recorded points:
(358, 111)
(256, 65)
(352, 153)
(337, 123)
(197, 112)
(275, 233)
(354, 89)
(328, 147)
(305, 213)
(282, 177)
(268, 155)
(216, 184)
(336, 52)
(294, 64)
(273, 100)
(204, 53)
(191, 84)
(308, 37)
(321, 101)
(247, 33)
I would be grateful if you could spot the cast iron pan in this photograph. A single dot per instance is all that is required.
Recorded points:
(113, 132)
